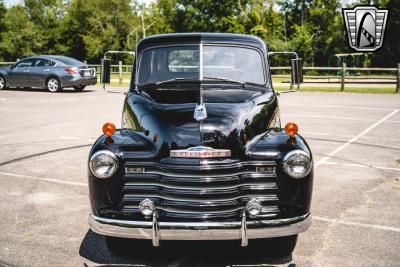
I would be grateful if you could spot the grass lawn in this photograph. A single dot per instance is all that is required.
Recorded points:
(365, 90)
(362, 90)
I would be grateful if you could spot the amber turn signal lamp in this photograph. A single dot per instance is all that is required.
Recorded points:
(291, 129)
(109, 129)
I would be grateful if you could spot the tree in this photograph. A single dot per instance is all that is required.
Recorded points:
(389, 54)
(21, 36)
(46, 15)
(3, 11)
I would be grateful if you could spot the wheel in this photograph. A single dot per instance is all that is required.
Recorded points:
(278, 246)
(2, 83)
(53, 85)
(79, 88)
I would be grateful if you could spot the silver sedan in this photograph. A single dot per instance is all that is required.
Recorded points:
(50, 72)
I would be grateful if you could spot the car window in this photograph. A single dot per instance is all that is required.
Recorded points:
(231, 62)
(183, 60)
(44, 63)
(165, 63)
(70, 61)
(26, 63)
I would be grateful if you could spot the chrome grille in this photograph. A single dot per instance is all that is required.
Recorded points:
(200, 192)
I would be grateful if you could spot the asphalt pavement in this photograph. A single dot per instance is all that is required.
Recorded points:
(44, 143)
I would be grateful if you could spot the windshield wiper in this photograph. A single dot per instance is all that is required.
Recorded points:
(226, 79)
(175, 79)
(165, 81)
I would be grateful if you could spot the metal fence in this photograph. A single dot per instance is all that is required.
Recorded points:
(343, 75)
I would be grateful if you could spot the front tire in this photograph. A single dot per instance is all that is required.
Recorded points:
(2, 83)
(53, 85)
(79, 88)
(278, 246)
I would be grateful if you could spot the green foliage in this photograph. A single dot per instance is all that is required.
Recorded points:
(21, 36)
(86, 29)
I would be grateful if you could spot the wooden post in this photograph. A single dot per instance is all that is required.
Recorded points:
(398, 78)
(120, 71)
(343, 76)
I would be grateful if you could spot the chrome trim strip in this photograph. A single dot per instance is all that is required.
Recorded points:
(268, 209)
(263, 154)
(263, 197)
(171, 174)
(261, 186)
(205, 164)
(200, 230)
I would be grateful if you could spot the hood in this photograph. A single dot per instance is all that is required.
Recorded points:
(234, 118)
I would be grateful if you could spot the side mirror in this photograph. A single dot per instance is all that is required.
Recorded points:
(12, 66)
(105, 71)
(297, 71)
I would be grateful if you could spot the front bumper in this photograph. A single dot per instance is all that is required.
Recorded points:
(156, 231)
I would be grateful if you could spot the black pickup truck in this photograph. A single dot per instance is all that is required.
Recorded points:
(201, 153)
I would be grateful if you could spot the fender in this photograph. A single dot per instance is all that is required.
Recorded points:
(294, 194)
(106, 194)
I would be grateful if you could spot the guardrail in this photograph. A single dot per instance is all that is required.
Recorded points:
(344, 75)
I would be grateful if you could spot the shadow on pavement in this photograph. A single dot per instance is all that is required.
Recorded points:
(173, 253)
(65, 90)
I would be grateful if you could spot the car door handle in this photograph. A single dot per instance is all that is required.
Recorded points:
(47, 70)
(26, 70)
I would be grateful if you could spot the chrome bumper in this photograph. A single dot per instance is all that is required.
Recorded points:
(156, 231)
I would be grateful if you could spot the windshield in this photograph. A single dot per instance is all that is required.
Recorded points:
(183, 62)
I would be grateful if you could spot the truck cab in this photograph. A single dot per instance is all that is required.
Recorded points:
(201, 153)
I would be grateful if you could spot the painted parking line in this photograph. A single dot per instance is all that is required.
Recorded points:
(350, 136)
(43, 179)
(361, 166)
(179, 261)
(355, 138)
(362, 225)
(335, 117)
(76, 138)
(338, 107)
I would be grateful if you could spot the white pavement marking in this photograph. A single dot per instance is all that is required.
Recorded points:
(352, 140)
(41, 179)
(349, 136)
(335, 117)
(338, 106)
(76, 138)
(364, 225)
(361, 166)
(69, 138)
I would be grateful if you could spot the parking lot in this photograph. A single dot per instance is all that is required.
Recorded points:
(45, 139)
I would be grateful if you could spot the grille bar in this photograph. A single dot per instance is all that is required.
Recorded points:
(214, 191)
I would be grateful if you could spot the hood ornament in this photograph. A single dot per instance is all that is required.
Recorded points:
(200, 112)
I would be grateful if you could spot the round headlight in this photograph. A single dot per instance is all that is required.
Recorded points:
(103, 164)
(297, 163)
